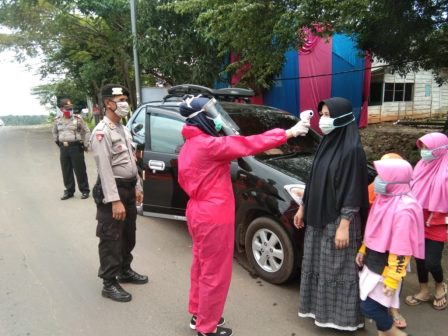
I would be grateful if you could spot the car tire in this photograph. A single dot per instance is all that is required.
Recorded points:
(269, 250)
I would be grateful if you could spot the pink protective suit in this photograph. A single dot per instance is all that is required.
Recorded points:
(204, 174)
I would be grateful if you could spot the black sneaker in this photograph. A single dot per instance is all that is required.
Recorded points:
(221, 322)
(220, 331)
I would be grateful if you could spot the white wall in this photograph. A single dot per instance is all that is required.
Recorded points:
(422, 106)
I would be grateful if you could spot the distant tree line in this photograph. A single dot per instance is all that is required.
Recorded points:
(18, 120)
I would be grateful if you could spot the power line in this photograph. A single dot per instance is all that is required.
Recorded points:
(334, 73)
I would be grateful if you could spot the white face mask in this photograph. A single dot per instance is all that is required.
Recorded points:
(326, 124)
(122, 109)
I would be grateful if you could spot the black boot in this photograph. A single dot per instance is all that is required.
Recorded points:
(113, 291)
(131, 276)
(66, 195)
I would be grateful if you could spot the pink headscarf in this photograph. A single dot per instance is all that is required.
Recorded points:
(395, 223)
(430, 179)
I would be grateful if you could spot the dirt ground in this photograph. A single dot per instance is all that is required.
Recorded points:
(379, 139)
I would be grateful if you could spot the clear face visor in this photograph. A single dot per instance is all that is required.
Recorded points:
(214, 110)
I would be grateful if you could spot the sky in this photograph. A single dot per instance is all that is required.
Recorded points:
(16, 82)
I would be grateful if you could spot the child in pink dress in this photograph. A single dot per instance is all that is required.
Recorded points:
(430, 187)
(394, 232)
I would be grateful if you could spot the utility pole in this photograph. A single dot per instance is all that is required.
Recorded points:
(136, 64)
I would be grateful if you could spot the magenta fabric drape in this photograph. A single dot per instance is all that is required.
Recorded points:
(315, 59)
(363, 120)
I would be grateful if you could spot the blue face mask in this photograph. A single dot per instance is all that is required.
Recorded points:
(427, 154)
(380, 187)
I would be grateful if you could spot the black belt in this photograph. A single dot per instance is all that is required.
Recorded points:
(126, 183)
(69, 143)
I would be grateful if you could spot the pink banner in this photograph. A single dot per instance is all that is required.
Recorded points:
(315, 61)
(258, 99)
(364, 117)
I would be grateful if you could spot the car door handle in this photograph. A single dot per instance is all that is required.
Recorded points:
(156, 165)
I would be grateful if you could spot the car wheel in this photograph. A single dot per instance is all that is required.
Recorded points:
(269, 250)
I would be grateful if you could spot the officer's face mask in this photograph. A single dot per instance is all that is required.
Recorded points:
(327, 124)
(380, 187)
(122, 109)
(67, 113)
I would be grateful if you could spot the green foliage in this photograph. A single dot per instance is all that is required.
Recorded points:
(86, 43)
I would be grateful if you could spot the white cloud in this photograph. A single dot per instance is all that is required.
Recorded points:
(16, 82)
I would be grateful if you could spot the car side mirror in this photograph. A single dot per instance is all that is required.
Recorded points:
(137, 128)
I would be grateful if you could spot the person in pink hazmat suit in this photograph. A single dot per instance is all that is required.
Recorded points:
(430, 187)
(204, 174)
(394, 233)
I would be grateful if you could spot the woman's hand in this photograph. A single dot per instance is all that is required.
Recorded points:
(359, 260)
(298, 218)
(341, 238)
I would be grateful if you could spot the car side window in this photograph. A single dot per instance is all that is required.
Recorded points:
(166, 136)
(139, 120)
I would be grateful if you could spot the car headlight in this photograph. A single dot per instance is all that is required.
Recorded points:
(296, 191)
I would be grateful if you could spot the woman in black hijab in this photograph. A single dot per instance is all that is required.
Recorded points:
(334, 212)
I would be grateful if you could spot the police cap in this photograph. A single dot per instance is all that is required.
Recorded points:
(66, 103)
(111, 90)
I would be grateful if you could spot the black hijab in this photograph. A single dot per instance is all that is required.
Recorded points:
(339, 173)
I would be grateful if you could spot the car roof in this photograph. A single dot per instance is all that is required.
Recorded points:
(230, 107)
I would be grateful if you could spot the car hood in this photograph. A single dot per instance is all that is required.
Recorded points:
(298, 167)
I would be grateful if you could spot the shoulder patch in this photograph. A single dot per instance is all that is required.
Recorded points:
(99, 135)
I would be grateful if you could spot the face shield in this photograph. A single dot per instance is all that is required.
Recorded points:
(214, 111)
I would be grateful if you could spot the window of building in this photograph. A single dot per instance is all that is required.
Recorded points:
(396, 92)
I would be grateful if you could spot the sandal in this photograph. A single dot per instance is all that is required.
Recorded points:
(399, 321)
(413, 300)
(440, 303)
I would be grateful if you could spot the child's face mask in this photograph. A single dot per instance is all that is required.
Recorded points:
(380, 187)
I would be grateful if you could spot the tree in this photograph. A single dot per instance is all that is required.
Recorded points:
(407, 34)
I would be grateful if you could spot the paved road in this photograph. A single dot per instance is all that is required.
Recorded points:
(48, 265)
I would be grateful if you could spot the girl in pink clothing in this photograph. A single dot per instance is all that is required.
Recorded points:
(430, 186)
(204, 174)
(394, 233)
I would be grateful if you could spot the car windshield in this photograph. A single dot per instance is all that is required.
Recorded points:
(258, 120)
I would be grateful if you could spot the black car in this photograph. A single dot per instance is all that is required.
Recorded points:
(267, 186)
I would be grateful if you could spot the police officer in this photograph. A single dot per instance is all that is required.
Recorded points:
(116, 192)
(70, 133)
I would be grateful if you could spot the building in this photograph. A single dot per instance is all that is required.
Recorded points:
(414, 96)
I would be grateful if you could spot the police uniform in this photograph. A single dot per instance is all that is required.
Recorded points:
(70, 134)
(118, 179)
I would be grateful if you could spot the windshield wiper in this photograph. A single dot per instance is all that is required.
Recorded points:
(284, 156)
